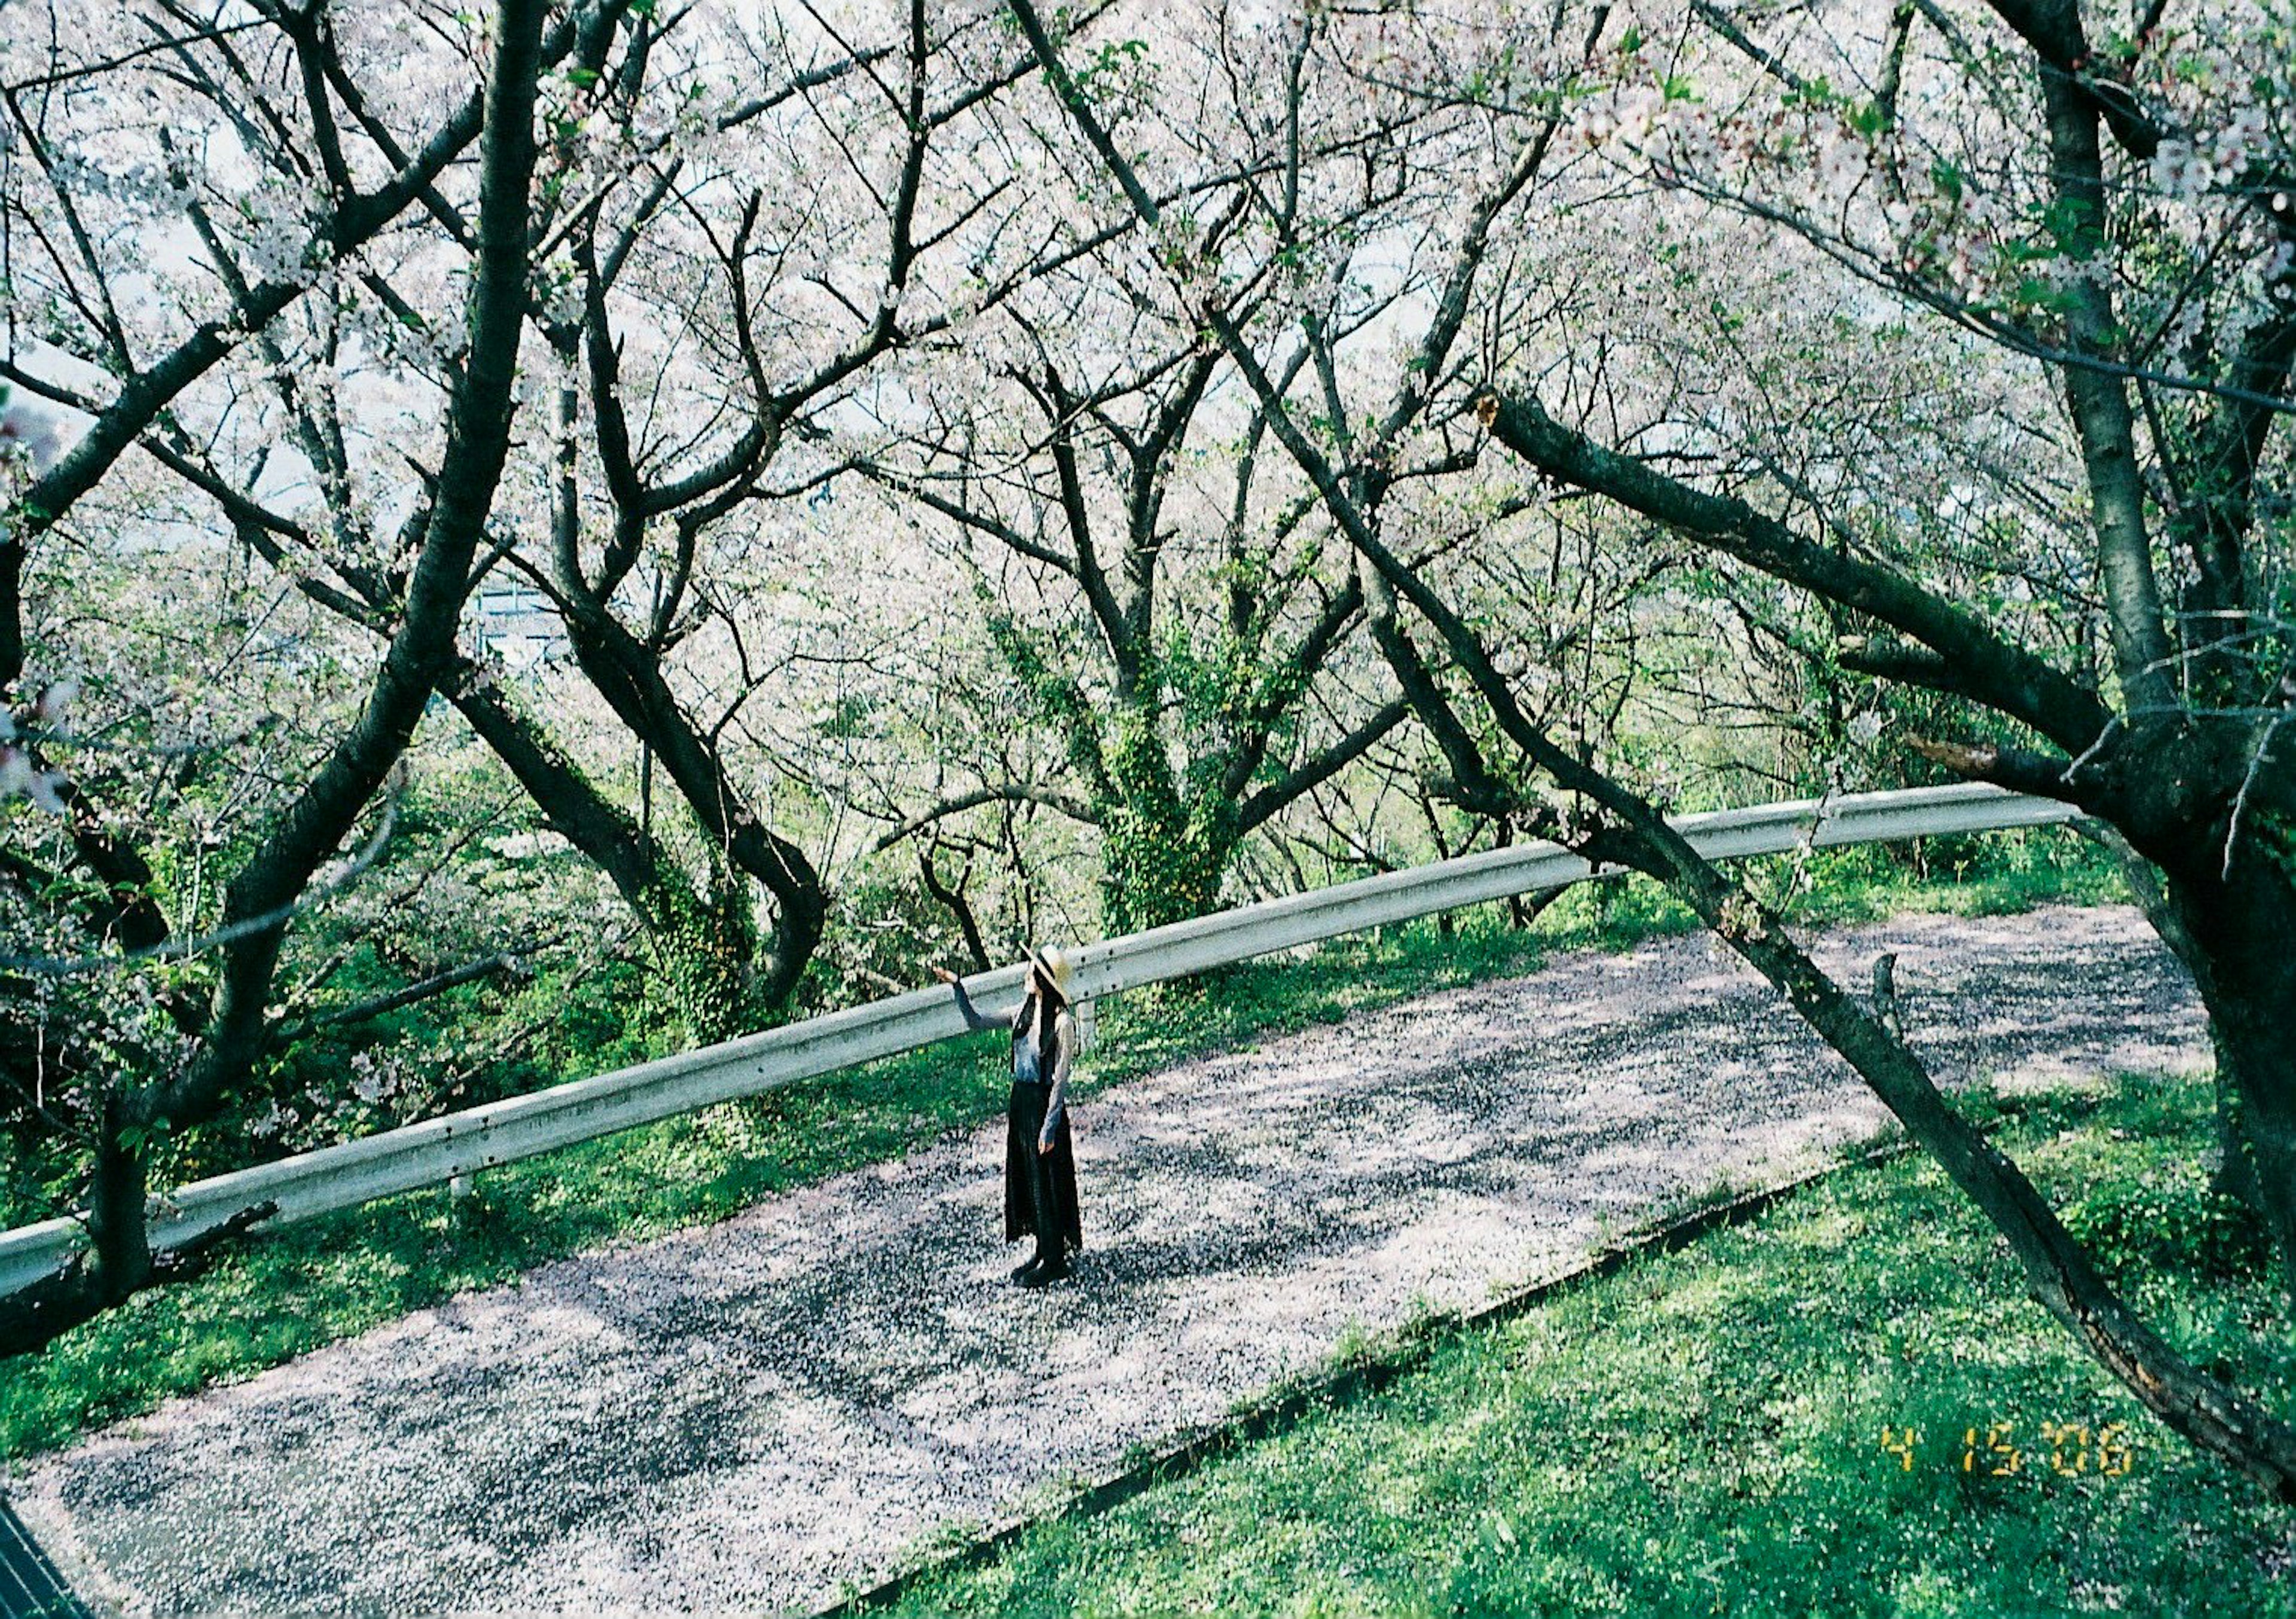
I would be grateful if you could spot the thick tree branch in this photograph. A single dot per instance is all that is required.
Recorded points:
(2053, 29)
(500, 964)
(1272, 799)
(2019, 770)
(2100, 413)
(141, 400)
(1002, 792)
(308, 831)
(2014, 680)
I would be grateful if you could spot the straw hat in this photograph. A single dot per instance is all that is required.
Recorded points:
(1052, 962)
(1054, 966)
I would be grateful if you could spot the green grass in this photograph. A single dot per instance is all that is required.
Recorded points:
(1702, 1433)
(312, 1284)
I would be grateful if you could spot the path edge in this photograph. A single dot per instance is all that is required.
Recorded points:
(1362, 1375)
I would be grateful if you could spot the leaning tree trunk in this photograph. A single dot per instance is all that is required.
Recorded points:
(2209, 1412)
(701, 944)
(239, 1028)
(2058, 1270)
(2204, 1410)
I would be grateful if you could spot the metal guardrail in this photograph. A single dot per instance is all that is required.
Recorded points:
(456, 1144)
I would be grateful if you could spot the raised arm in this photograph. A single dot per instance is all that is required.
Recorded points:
(1064, 1039)
(975, 1017)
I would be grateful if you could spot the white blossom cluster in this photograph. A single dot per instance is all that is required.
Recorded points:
(144, 189)
(2228, 83)
(24, 742)
(283, 240)
(1946, 194)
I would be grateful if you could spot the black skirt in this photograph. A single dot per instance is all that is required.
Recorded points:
(1024, 1120)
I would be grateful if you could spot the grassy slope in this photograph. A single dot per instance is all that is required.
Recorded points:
(1700, 1434)
(315, 1283)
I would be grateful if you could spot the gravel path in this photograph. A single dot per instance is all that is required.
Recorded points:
(742, 1417)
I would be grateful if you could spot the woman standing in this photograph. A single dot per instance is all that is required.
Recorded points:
(1040, 1194)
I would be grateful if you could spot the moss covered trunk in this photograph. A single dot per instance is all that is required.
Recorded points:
(1165, 842)
(703, 943)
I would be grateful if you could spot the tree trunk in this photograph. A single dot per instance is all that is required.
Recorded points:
(1158, 869)
(702, 947)
(2234, 1175)
(1163, 850)
(119, 1260)
(2206, 1411)
(2244, 928)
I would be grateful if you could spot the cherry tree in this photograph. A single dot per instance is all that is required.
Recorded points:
(1166, 716)
(94, 208)
(743, 217)
(1166, 593)
(2117, 209)
(1948, 648)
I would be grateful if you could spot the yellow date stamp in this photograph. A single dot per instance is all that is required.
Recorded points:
(2066, 1450)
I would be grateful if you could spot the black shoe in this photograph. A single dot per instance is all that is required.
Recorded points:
(1046, 1270)
(1028, 1268)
